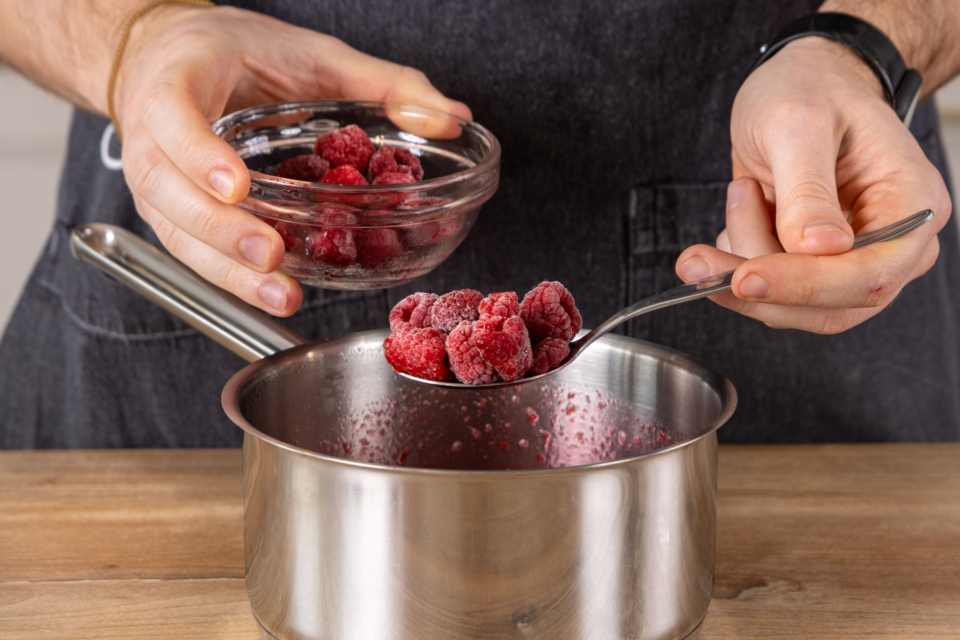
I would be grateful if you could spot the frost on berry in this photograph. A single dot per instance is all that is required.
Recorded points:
(309, 168)
(505, 343)
(393, 198)
(330, 243)
(344, 175)
(413, 312)
(393, 177)
(347, 176)
(502, 304)
(550, 312)
(453, 308)
(465, 358)
(419, 353)
(548, 354)
(332, 246)
(390, 159)
(345, 146)
(287, 231)
(376, 246)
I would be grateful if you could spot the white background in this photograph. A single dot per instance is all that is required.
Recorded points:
(33, 134)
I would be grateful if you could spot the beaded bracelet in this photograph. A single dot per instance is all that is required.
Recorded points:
(124, 36)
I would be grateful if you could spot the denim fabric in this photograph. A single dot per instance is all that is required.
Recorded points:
(614, 121)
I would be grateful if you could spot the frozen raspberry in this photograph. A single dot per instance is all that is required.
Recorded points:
(500, 304)
(287, 231)
(413, 312)
(393, 177)
(453, 308)
(430, 233)
(549, 312)
(419, 353)
(389, 159)
(332, 246)
(344, 175)
(393, 198)
(505, 343)
(345, 146)
(376, 246)
(330, 243)
(309, 168)
(548, 354)
(465, 358)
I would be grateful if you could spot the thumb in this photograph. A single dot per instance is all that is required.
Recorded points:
(809, 218)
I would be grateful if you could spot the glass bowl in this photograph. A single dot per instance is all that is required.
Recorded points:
(372, 236)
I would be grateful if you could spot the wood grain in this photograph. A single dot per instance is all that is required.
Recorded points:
(855, 541)
(96, 515)
(114, 609)
(813, 542)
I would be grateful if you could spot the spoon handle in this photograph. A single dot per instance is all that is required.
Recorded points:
(721, 282)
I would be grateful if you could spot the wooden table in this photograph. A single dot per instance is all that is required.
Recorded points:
(852, 541)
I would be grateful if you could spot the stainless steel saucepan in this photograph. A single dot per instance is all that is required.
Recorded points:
(379, 508)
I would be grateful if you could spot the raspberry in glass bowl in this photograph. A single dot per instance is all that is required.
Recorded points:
(395, 207)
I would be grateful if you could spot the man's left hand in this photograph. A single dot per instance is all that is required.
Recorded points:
(819, 156)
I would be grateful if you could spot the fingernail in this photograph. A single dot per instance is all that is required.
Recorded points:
(222, 180)
(753, 286)
(695, 268)
(735, 192)
(274, 294)
(256, 249)
(821, 226)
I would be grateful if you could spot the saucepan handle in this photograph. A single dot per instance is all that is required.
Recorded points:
(248, 332)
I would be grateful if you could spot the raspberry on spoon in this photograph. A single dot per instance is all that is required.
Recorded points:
(550, 312)
(465, 358)
(413, 312)
(419, 353)
(453, 308)
(505, 343)
(548, 354)
(500, 304)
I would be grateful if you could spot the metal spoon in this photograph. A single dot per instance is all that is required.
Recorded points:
(684, 293)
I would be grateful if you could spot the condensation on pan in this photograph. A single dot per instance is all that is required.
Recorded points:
(428, 427)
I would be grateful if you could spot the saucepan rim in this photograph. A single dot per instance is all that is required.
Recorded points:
(239, 381)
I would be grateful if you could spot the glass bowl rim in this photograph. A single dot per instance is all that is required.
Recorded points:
(252, 114)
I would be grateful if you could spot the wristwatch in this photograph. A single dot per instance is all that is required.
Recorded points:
(901, 86)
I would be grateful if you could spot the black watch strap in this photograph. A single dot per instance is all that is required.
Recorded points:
(901, 86)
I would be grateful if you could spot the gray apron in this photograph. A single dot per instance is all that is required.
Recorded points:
(614, 119)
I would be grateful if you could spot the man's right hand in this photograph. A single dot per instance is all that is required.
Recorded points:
(184, 67)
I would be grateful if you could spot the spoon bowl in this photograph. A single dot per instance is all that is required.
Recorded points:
(684, 293)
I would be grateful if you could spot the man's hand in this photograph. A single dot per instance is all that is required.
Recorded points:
(819, 156)
(184, 68)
